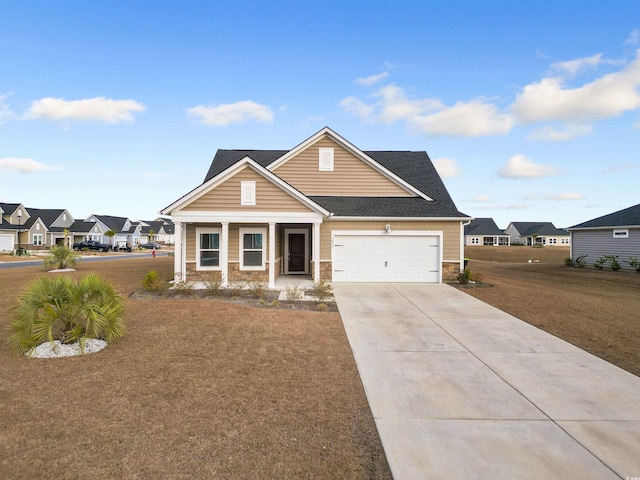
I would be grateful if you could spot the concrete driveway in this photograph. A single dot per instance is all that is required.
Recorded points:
(460, 390)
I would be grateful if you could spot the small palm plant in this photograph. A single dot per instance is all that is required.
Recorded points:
(61, 308)
(61, 257)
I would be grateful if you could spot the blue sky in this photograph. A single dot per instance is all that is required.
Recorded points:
(530, 110)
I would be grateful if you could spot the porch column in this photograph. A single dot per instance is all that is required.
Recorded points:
(272, 255)
(224, 255)
(178, 266)
(316, 252)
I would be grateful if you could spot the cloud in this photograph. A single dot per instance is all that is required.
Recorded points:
(5, 111)
(429, 115)
(634, 38)
(465, 119)
(446, 167)
(226, 114)
(520, 166)
(555, 196)
(371, 80)
(550, 134)
(481, 199)
(98, 109)
(572, 67)
(357, 108)
(605, 97)
(619, 168)
(23, 165)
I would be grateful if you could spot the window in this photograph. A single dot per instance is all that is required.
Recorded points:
(475, 240)
(624, 233)
(208, 248)
(325, 161)
(37, 239)
(553, 241)
(565, 241)
(252, 248)
(248, 193)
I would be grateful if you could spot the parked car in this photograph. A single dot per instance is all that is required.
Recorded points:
(92, 245)
(122, 246)
(151, 246)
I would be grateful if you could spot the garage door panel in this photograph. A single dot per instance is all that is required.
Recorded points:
(386, 258)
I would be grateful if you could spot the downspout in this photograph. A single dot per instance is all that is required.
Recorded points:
(462, 225)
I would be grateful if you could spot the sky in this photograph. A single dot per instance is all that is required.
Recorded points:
(530, 110)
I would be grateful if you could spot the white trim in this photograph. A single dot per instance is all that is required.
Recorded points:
(287, 232)
(246, 217)
(399, 219)
(224, 254)
(229, 173)
(621, 233)
(353, 150)
(272, 255)
(252, 230)
(205, 230)
(316, 252)
(608, 227)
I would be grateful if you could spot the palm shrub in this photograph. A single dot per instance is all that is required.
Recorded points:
(634, 263)
(60, 256)
(68, 310)
(152, 282)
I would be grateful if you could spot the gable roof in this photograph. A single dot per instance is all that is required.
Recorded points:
(47, 215)
(384, 207)
(483, 226)
(112, 223)
(628, 217)
(81, 226)
(537, 228)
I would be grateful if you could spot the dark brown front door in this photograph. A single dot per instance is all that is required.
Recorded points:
(296, 253)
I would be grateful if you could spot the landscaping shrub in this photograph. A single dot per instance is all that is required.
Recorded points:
(212, 287)
(599, 264)
(568, 262)
(321, 290)
(60, 257)
(258, 289)
(61, 308)
(615, 265)
(581, 261)
(465, 276)
(294, 293)
(634, 263)
(152, 282)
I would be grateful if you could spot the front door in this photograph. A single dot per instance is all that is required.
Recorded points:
(297, 253)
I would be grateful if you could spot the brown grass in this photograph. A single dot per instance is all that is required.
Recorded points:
(597, 310)
(196, 389)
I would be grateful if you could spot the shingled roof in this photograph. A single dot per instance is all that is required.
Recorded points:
(415, 168)
(628, 217)
(527, 229)
(483, 226)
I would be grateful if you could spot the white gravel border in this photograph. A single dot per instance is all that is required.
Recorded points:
(57, 349)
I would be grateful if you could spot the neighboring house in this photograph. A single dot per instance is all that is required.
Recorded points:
(81, 230)
(325, 209)
(12, 228)
(146, 229)
(166, 233)
(484, 231)
(617, 233)
(54, 221)
(537, 233)
(126, 231)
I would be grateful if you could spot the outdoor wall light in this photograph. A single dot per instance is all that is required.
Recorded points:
(387, 228)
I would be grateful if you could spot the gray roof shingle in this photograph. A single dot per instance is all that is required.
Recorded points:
(626, 217)
(538, 228)
(483, 226)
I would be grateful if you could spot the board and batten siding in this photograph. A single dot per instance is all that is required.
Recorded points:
(226, 196)
(350, 175)
(450, 234)
(598, 243)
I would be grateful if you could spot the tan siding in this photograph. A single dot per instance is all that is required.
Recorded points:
(191, 243)
(351, 176)
(450, 234)
(226, 196)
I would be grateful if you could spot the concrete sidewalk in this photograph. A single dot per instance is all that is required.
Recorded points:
(460, 389)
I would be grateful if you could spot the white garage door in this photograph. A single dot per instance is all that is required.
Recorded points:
(386, 258)
(6, 242)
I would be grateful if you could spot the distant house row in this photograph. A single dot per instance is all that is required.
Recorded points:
(484, 231)
(38, 229)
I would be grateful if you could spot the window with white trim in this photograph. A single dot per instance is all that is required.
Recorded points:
(475, 240)
(252, 248)
(565, 241)
(37, 239)
(208, 248)
(248, 192)
(552, 241)
(325, 159)
(621, 233)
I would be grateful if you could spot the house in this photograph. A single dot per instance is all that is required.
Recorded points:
(166, 233)
(12, 226)
(81, 230)
(617, 233)
(324, 208)
(126, 231)
(536, 233)
(484, 231)
(149, 230)
(47, 226)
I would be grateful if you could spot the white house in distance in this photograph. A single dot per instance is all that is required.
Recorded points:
(484, 231)
(537, 233)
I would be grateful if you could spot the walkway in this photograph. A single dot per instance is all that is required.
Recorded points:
(460, 390)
